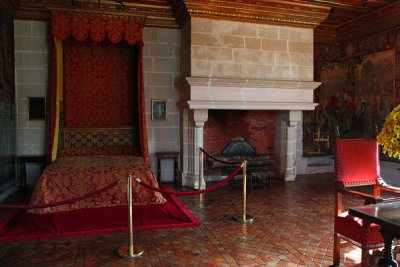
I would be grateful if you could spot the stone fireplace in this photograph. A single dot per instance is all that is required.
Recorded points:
(235, 66)
(287, 98)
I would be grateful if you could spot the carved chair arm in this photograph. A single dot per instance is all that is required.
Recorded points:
(387, 187)
(368, 198)
(391, 199)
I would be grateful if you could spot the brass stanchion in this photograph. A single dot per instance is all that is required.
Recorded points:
(130, 251)
(244, 218)
(201, 175)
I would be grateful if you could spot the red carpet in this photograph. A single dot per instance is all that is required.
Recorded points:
(26, 226)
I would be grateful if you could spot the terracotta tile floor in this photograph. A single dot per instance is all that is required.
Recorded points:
(292, 227)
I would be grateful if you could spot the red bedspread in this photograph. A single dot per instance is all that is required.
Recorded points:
(73, 176)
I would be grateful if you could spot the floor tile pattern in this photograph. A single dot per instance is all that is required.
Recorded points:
(293, 226)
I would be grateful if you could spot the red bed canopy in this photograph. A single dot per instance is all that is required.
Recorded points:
(97, 29)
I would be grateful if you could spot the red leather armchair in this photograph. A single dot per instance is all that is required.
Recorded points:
(357, 164)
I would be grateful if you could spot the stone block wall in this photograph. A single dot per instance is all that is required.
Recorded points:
(250, 51)
(161, 70)
(32, 65)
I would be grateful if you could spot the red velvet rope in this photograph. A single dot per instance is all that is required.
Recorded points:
(220, 183)
(59, 203)
(222, 161)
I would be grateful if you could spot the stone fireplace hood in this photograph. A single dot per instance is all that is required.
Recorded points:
(244, 94)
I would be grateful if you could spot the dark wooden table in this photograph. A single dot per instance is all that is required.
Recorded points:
(387, 216)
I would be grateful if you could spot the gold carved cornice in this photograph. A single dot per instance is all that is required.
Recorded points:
(159, 21)
(286, 13)
(155, 13)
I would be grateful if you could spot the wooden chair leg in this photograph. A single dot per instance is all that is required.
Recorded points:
(336, 250)
(364, 258)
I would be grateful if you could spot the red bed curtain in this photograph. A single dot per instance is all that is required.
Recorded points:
(99, 89)
(95, 29)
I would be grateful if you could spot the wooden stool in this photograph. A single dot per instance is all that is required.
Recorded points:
(260, 176)
(168, 155)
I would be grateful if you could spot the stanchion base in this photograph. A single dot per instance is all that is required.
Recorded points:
(247, 219)
(123, 251)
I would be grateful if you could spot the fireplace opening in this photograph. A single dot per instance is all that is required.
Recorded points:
(237, 135)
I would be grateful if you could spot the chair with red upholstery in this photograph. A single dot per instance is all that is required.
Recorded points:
(357, 164)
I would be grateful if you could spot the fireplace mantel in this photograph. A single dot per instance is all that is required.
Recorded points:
(245, 94)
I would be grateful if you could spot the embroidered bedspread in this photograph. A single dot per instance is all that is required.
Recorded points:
(74, 176)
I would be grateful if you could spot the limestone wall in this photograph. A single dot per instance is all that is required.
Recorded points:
(250, 51)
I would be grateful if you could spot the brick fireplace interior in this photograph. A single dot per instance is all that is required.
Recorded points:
(255, 126)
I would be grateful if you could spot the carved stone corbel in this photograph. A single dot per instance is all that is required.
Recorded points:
(200, 116)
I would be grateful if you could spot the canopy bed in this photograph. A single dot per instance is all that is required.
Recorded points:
(97, 118)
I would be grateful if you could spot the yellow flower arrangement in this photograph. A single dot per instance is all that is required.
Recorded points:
(389, 137)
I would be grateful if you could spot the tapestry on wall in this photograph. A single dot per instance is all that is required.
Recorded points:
(355, 96)
(6, 66)
(7, 103)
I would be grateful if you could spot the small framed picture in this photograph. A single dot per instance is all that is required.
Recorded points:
(158, 110)
(37, 108)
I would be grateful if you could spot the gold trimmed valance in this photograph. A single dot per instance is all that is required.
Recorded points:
(97, 28)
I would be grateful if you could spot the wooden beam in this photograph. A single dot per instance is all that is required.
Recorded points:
(10, 6)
